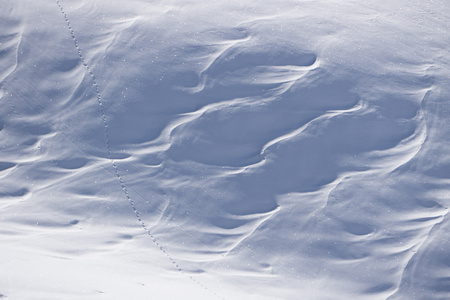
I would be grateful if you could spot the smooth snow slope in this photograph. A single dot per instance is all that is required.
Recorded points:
(224, 149)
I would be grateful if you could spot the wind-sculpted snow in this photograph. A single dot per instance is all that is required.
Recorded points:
(291, 150)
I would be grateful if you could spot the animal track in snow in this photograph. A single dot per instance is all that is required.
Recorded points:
(108, 146)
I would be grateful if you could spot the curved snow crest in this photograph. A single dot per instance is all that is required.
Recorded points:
(359, 106)
(9, 44)
(239, 64)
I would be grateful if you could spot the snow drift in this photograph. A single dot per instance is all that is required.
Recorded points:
(235, 150)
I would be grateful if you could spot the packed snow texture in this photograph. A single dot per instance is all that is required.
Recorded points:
(224, 149)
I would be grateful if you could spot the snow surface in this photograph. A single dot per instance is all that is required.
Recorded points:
(224, 149)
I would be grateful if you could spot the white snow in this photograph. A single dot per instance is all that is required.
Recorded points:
(224, 149)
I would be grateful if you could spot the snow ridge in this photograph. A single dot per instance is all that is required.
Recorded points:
(110, 157)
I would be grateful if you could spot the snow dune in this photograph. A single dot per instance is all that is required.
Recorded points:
(231, 150)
